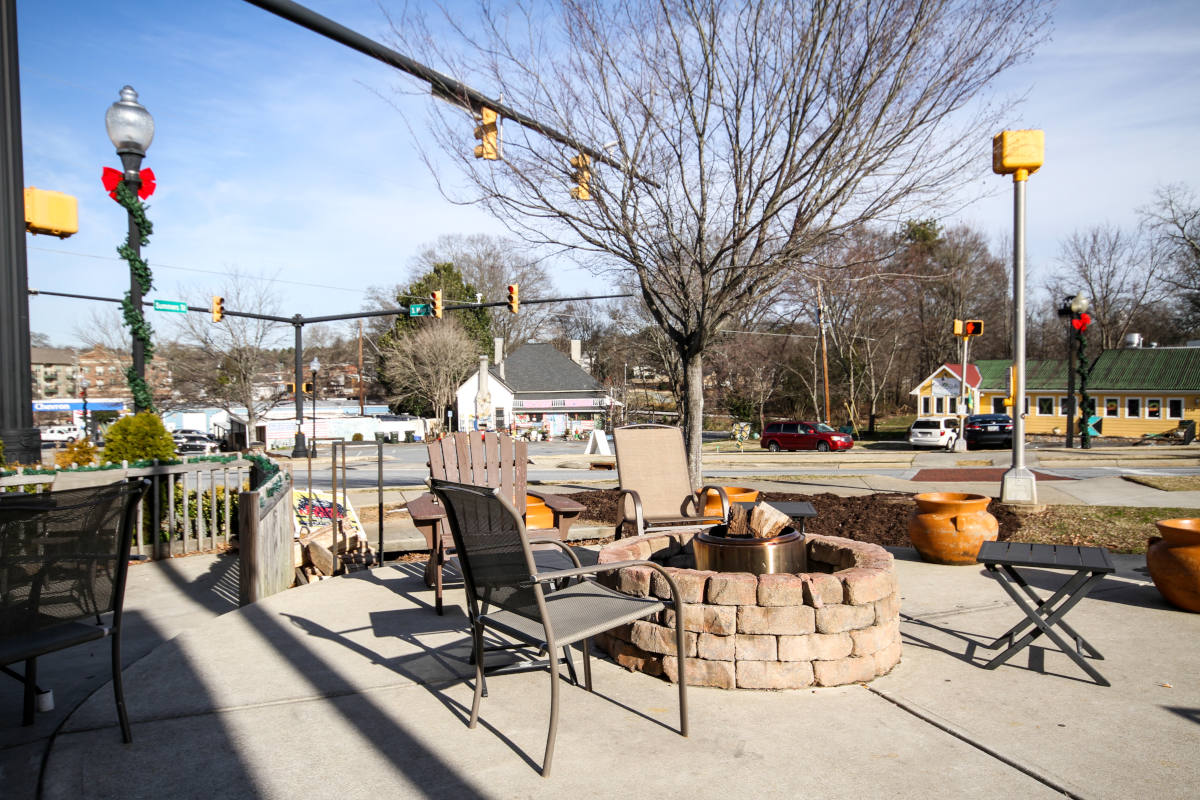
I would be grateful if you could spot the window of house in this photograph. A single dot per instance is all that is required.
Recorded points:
(1112, 407)
(1045, 406)
(939, 405)
(998, 406)
(1153, 408)
(1064, 410)
(1133, 407)
(1175, 408)
(924, 405)
(560, 403)
(953, 405)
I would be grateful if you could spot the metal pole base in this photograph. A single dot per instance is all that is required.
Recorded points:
(960, 445)
(300, 451)
(1018, 486)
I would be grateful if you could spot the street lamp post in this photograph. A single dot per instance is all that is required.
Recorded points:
(83, 387)
(315, 366)
(131, 129)
(1080, 321)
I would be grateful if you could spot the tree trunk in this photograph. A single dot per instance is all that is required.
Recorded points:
(692, 413)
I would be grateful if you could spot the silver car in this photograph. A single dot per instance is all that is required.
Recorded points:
(934, 432)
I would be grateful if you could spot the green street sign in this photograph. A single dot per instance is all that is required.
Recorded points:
(178, 306)
(418, 309)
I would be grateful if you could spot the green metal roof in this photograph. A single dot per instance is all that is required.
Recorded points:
(1174, 369)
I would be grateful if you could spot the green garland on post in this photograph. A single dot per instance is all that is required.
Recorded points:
(140, 270)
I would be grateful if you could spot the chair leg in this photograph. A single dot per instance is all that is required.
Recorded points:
(119, 687)
(439, 557)
(480, 687)
(549, 757)
(30, 691)
(570, 665)
(587, 664)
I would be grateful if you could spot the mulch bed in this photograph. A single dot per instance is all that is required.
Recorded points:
(876, 518)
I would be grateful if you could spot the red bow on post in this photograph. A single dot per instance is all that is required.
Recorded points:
(1081, 322)
(111, 177)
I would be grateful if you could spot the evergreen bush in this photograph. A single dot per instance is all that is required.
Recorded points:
(80, 453)
(140, 437)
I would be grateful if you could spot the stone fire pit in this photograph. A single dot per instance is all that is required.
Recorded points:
(836, 624)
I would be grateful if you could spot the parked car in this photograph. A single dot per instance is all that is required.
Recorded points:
(988, 429)
(797, 435)
(192, 443)
(933, 432)
(60, 434)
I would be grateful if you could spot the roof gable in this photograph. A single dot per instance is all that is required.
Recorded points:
(951, 371)
(542, 368)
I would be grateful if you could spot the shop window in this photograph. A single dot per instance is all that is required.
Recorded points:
(1045, 406)
(1175, 408)
(1133, 407)
(1153, 408)
(1112, 407)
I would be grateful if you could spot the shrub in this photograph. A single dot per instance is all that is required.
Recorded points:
(80, 453)
(141, 436)
(358, 437)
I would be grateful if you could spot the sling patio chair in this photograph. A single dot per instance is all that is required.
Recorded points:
(488, 459)
(507, 594)
(64, 557)
(656, 491)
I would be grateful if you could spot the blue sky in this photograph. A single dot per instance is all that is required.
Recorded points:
(283, 155)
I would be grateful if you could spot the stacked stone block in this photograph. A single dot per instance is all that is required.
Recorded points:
(835, 625)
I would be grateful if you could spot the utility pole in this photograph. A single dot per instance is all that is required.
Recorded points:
(361, 406)
(824, 352)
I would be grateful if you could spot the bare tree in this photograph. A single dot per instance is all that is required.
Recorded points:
(751, 131)
(1121, 272)
(490, 263)
(429, 363)
(1174, 220)
(232, 364)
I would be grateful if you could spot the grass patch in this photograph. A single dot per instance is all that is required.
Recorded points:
(1167, 483)
(974, 462)
(1122, 529)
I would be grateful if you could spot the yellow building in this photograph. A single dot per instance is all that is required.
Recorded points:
(1136, 391)
(940, 393)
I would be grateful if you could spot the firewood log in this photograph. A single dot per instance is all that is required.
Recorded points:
(767, 521)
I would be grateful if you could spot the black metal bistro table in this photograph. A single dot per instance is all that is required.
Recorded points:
(796, 509)
(1090, 565)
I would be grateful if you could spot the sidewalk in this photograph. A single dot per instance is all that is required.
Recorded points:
(350, 689)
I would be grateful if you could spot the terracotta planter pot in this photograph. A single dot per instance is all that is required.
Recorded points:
(538, 515)
(1174, 562)
(949, 527)
(736, 494)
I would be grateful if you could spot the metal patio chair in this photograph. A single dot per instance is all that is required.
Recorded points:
(64, 557)
(657, 493)
(506, 593)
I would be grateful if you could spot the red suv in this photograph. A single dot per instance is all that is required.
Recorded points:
(794, 435)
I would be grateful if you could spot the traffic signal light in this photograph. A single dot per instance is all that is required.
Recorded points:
(218, 308)
(435, 298)
(583, 177)
(488, 134)
(514, 299)
(291, 388)
(958, 327)
(973, 327)
(50, 212)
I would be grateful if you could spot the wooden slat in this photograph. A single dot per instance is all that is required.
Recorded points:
(462, 454)
(214, 504)
(156, 515)
(437, 461)
(187, 512)
(520, 461)
(171, 481)
(508, 484)
(225, 481)
(491, 456)
(1042, 554)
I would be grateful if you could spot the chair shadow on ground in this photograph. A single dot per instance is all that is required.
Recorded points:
(976, 653)
(1190, 714)
(437, 667)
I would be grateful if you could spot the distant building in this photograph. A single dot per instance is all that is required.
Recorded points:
(53, 372)
(537, 388)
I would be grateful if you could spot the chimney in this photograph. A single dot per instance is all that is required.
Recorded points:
(483, 399)
(576, 351)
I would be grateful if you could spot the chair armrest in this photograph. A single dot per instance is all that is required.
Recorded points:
(720, 490)
(561, 545)
(558, 574)
(637, 508)
(425, 509)
(557, 503)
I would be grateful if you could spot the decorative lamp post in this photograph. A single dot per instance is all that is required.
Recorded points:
(1065, 312)
(131, 129)
(1080, 320)
(315, 366)
(83, 387)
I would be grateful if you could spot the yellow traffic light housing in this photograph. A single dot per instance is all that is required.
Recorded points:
(1018, 153)
(218, 308)
(435, 298)
(583, 177)
(54, 213)
(958, 327)
(488, 134)
(514, 298)
(291, 388)
(973, 327)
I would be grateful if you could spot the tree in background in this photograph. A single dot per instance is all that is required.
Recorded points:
(489, 264)
(427, 365)
(1174, 220)
(755, 130)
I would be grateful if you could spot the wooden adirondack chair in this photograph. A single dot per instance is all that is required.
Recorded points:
(493, 460)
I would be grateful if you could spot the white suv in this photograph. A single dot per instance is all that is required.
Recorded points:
(62, 433)
(934, 432)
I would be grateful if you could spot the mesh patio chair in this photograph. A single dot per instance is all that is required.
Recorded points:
(506, 593)
(495, 460)
(64, 557)
(657, 493)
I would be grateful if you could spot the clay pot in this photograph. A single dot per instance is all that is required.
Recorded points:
(949, 527)
(736, 494)
(538, 516)
(1174, 562)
